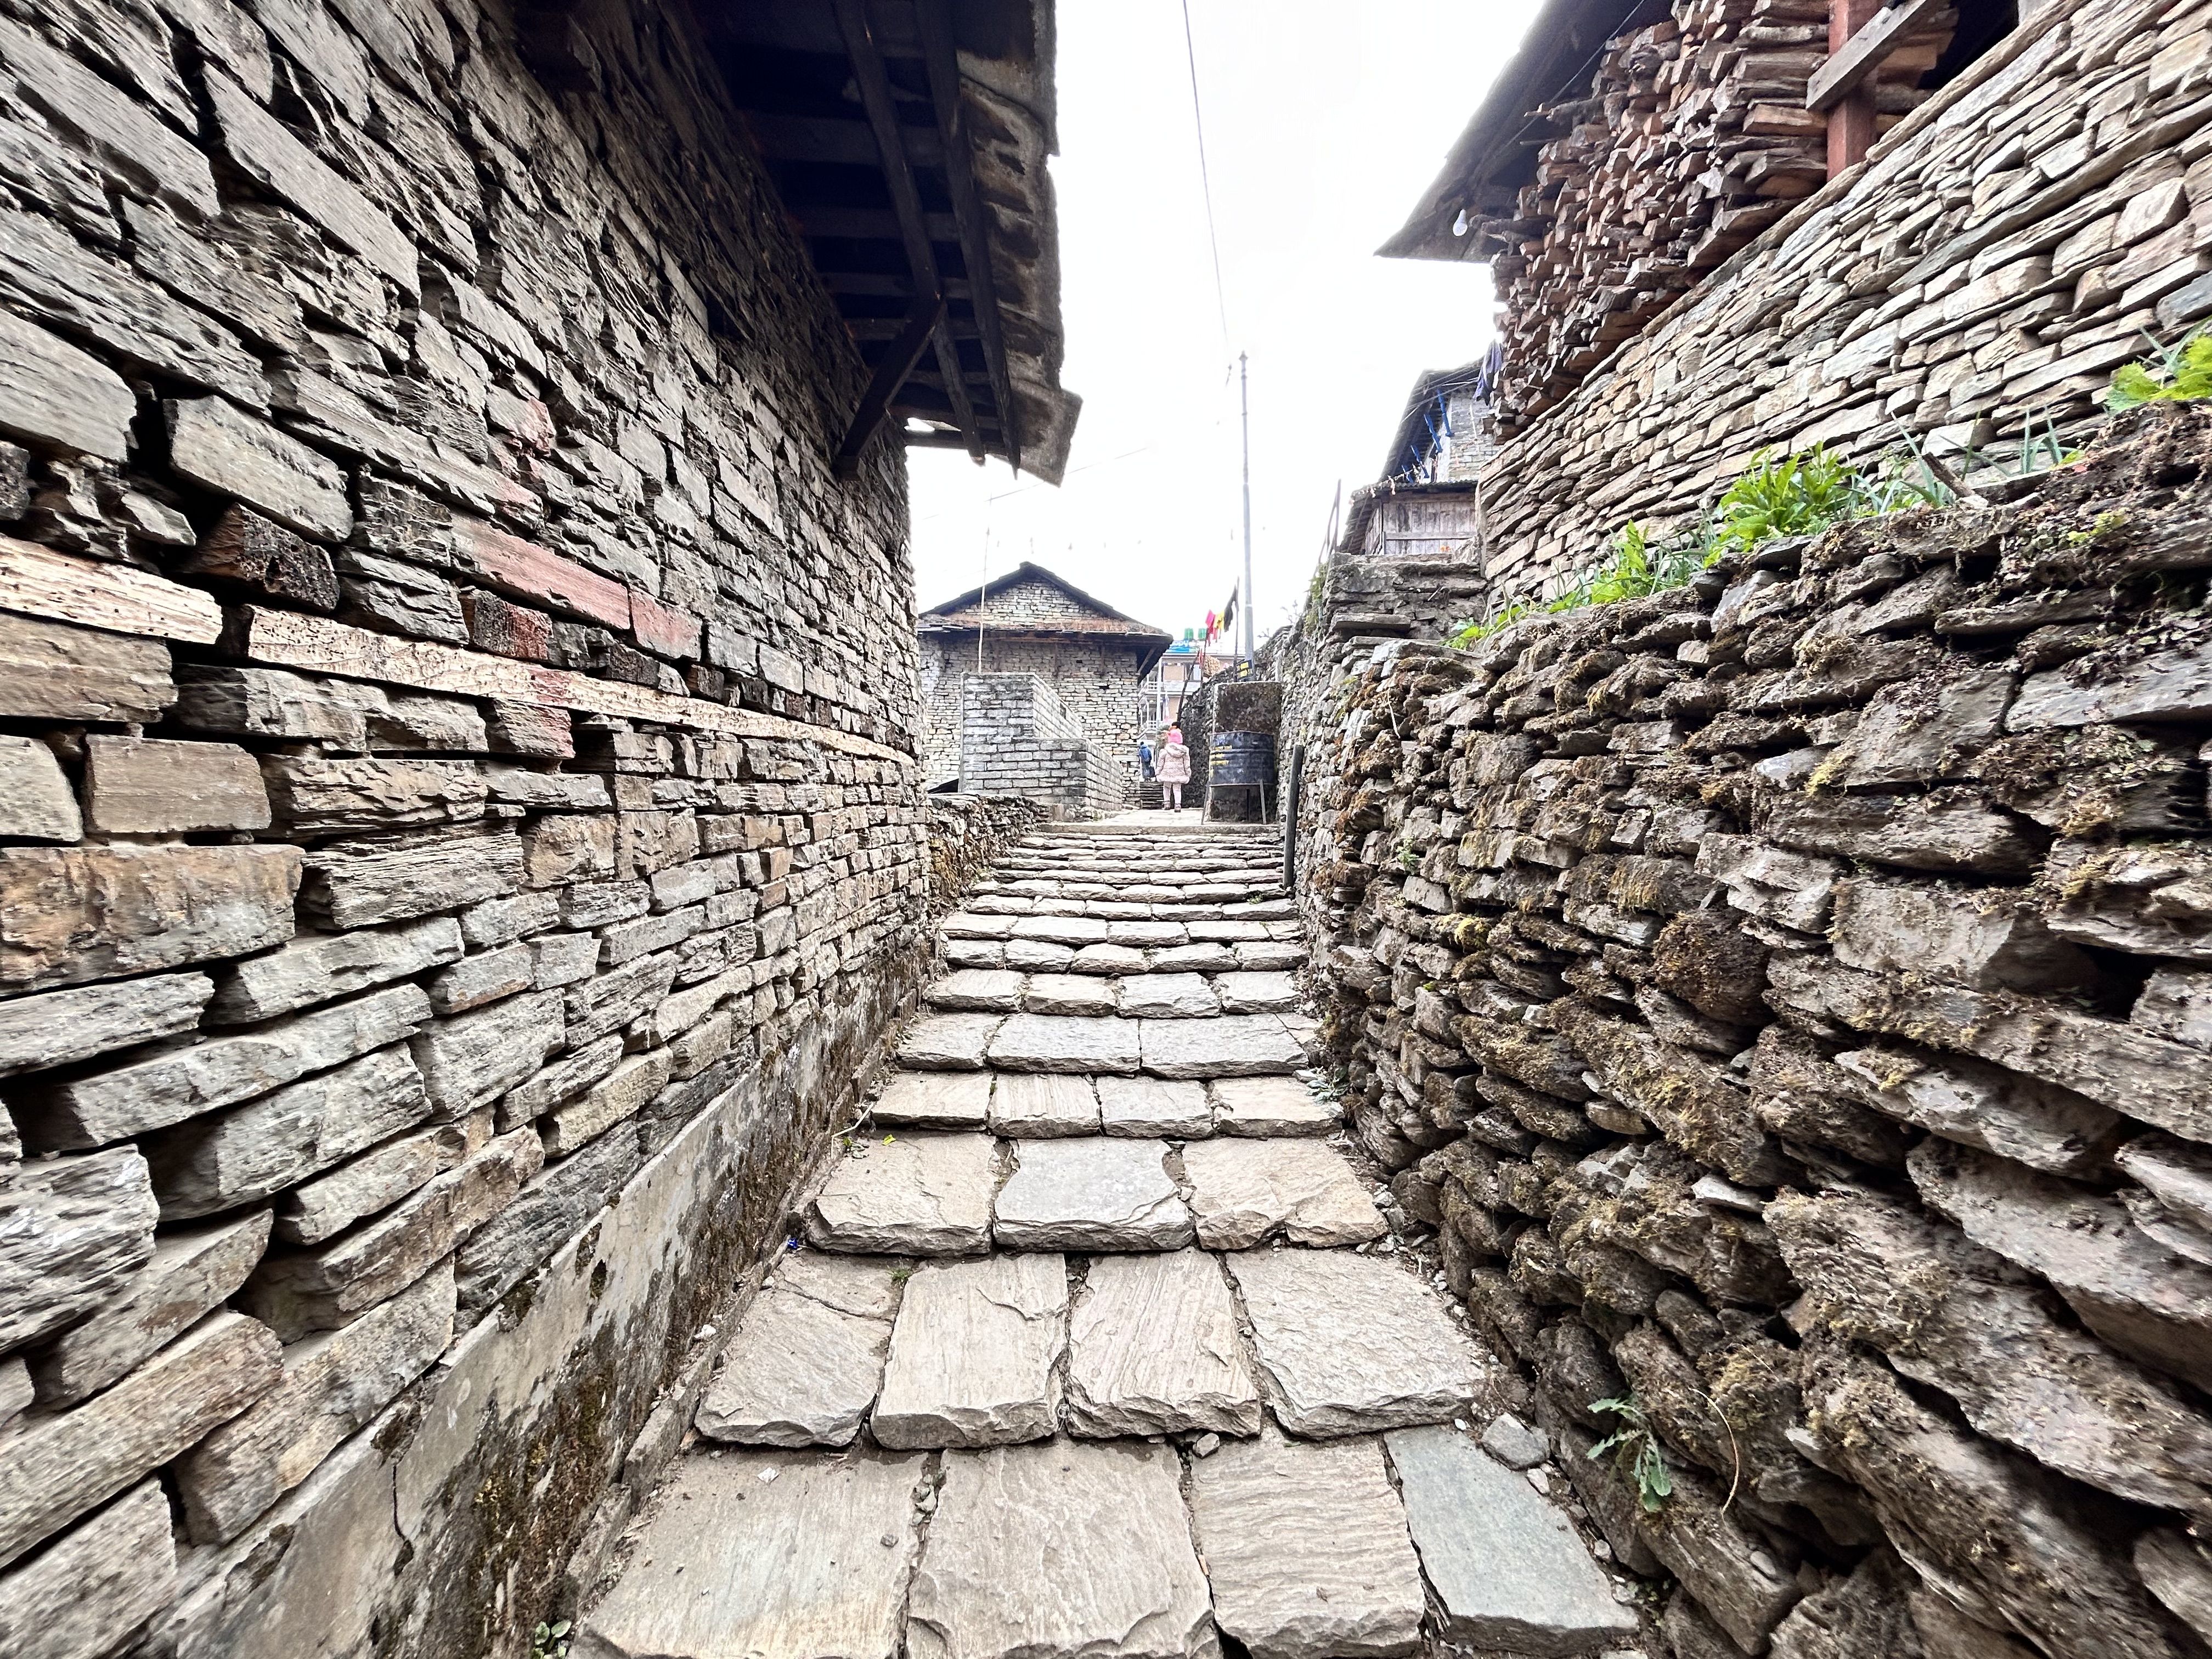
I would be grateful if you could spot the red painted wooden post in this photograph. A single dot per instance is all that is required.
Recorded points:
(1850, 122)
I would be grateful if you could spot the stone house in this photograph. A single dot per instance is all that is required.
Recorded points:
(1088, 659)
(459, 751)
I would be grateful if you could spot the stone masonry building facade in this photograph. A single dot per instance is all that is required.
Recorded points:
(463, 838)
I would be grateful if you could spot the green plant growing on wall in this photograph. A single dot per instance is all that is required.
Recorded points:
(1799, 494)
(2177, 374)
(1635, 1451)
(550, 1641)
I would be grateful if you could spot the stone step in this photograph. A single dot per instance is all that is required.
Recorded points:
(1225, 1045)
(1097, 1194)
(1036, 1104)
(974, 1354)
(908, 1194)
(1154, 1348)
(1352, 1344)
(1111, 961)
(1244, 1192)
(1142, 933)
(773, 1555)
(1158, 996)
(803, 1366)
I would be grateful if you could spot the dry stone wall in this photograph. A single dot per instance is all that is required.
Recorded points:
(1996, 258)
(461, 842)
(1017, 738)
(1786, 999)
(1094, 680)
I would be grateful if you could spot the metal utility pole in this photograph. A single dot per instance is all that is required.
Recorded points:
(1244, 417)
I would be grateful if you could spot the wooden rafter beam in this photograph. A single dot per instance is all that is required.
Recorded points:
(875, 87)
(891, 374)
(941, 64)
(1861, 55)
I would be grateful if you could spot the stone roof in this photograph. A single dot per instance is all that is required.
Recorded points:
(1031, 601)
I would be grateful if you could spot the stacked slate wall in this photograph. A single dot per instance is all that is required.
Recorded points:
(1788, 998)
(460, 845)
(1982, 273)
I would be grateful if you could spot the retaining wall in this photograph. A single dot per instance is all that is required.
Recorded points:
(1788, 999)
(460, 845)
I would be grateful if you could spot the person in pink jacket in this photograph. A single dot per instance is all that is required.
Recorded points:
(1171, 766)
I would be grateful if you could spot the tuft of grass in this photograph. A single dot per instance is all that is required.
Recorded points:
(2177, 374)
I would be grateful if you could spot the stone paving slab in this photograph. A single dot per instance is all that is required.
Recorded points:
(1154, 1348)
(1306, 1550)
(1034, 955)
(1168, 996)
(1351, 1344)
(804, 1364)
(1095, 1194)
(1195, 959)
(1508, 1569)
(1270, 957)
(1110, 960)
(811, 1564)
(1071, 1548)
(1257, 993)
(913, 1194)
(972, 923)
(1038, 1105)
(1243, 1191)
(1230, 1045)
(1042, 1043)
(976, 989)
(948, 1042)
(1272, 1106)
(973, 1354)
(1147, 934)
(1228, 932)
(1154, 1106)
(974, 953)
(1076, 994)
(1062, 930)
(934, 1100)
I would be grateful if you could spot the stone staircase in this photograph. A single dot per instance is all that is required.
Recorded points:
(1096, 1344)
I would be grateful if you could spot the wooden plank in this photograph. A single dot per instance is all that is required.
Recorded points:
(317, 645)
(891, 374)
(38, 582)
(1863, 54)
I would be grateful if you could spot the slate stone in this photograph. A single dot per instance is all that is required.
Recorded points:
(333, 1383)
(934, 1100)
(137, 786)
(1040, 1042)
(2175, 1569)
(1210, 958)
(296, 1291)
(1078, 995)
(1069, 1548)
(1108, 960)
(317, 967)
(36, 801)
(1042, 1105)
(1061, 930)
(1154, 1348)
(1514, 1443)
(1151, 1106)
(1031, 956)
(2038, 1124)
(58, 1467)
(1168, 996)
(377, 1179)
(189, 1079)
(973, 1354)
(224, 1159)
(51, 671)
(357, 884)
(1270, 957)
(73, 914)
(1147, 935)
(1350, 1344)
(623, 1092)
(792, 1568)
(1092, 1194)
(60, 1027)
(1243, 1191)
(806, 1360)
(469, 1059)
(916, 1194)
(1257, 993)
(1508, 1569)
(1306, 1549)
(1272, 1106)
(190, 1272)
(980, 990)
(947, 1042)
(553, 1206)
(214, 443)
(77, 1229)
(1234, 1045)
(90, 1590)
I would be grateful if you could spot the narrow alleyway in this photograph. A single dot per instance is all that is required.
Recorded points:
(1096, 1342)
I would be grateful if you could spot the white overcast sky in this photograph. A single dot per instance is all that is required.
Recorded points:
(1323, 124)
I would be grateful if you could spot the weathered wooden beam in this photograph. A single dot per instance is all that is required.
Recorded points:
(822, 138)
(873, 81)
(37, 581)
(1864, 51)
(891, 374)
(868, 224)
(941, 62)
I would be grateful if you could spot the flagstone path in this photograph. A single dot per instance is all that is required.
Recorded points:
(1095, 1344)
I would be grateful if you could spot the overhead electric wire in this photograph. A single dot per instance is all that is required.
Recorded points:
(1204, 177)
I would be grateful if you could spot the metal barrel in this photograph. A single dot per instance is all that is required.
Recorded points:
(1242, 759)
